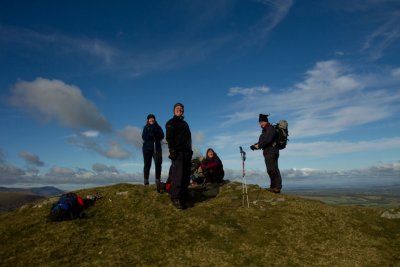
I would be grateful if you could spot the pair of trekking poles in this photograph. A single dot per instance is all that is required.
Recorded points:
(244, 183)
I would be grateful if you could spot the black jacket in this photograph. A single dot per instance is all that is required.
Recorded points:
(267, 139)
(150, 134)
(178, 135)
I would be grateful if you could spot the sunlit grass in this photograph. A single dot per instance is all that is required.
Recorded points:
(133, 225)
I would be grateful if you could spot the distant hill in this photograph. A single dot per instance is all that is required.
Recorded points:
(133, 225)
(45, 191)
(13, 198)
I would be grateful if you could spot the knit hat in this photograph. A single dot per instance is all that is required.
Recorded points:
(151, 116)
(179, 104)
(263, 117)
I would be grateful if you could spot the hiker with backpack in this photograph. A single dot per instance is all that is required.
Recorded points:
(71, 206)
(179, 140)
(152, 135)
(212, 167)
(268, 143)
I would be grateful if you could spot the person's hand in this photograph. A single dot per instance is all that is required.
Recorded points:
(253, 147)
(172, 155)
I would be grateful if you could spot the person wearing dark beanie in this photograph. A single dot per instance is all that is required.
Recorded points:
(179, 140)
(152, 135)
(266, 142)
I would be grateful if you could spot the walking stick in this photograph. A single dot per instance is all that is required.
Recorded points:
(244, 184)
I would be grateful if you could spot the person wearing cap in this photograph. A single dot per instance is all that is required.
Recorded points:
(179, 140)
(271, 153)
(152, 135)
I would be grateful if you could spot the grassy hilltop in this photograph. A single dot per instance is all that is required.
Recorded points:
(133, 225)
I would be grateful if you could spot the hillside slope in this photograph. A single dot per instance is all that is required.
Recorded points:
(13, 200)
(134, 225)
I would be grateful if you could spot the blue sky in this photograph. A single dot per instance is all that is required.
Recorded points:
(78, 79)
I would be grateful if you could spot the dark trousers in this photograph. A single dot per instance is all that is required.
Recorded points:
(147, 156)
(180, 175)
(214, 175)
(271, 161)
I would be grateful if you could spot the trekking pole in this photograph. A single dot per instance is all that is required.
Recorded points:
(244, 184)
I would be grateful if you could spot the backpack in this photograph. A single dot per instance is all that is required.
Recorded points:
(69, 206)
(282, 134)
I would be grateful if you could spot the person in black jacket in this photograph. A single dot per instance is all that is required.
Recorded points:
(266, 142)
(179, 140)
(152, 135)
(212, 167)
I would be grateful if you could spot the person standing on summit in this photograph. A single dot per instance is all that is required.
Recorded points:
(152, 135)
(266, 142)
(179, 140)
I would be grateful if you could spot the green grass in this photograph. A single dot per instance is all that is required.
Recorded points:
(133, 225)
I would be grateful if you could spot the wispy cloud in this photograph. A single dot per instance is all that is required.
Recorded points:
(248, 92)
(59, 43)
(275, 12)
(205, 33)
(326, 148)
(53, 99)
(396, 73)
(383, 37)
(237, 117)
(331, 99)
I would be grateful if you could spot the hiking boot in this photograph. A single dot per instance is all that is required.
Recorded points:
(178, 204)
(274, 190)
(146, 181)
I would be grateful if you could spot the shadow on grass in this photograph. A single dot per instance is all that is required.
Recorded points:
(205, 191)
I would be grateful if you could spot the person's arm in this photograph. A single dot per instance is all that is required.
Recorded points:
(159, 135)
(170, 137)
(266, 138)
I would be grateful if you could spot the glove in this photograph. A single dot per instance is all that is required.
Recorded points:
(172, 155)
(253, 147)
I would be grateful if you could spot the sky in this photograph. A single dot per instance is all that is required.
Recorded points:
(78, 79)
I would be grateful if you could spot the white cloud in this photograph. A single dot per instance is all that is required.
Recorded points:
(53, 99)
(62, 172)
(31, 158)
(132, 135)
(102, 168)
(116, 151)
(248, 92)
(396, 73)
(90, 133)
(106, 175)
(112, 149)
(331, 99)
(326, 149)
(237, 117)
